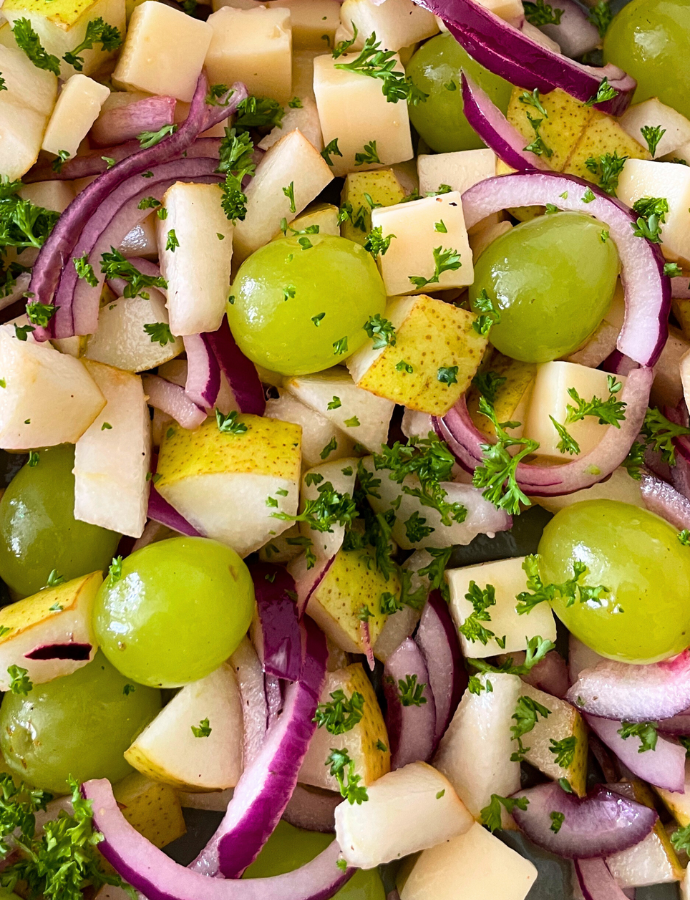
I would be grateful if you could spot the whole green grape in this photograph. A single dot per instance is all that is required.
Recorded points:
(38, 531)
(552, 280)
(645, 616)
(289, 848)
(174, 611)
(300, 304)
(440, 120)
(650, 40)
(78, 726)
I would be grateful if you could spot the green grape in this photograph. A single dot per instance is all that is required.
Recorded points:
(291, 307)
(638, 557)
(552, 280)
(289, 848)
(440, 120)
(177, 610)
(38, 531)
(77, 726)
(650, 40)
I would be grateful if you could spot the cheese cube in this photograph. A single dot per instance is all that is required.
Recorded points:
(77, 108)
(303, 70)
(21, 133)
(550, 398)
(508, 580)
(420, 228)
(305, 117)
(655, 114)
(253, 46)
(460, 170)
(396, 23)
(311, 20)
(642, 178)
(353, 110)
(164, 51)
(55, 195)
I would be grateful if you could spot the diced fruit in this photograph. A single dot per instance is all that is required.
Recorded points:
(195, 742)
(507, 579)
(620, 486)
(323, 215)
(55, 195)
(21, 133)
(408, 810)
(384, 189)
(230, 483)
(433, 360)
(321, 440)
(164, 51)
(341, 474)
(49, 634)
(667, 389)
(305, 118)
(253, 46)
(678, 804)
(560, 130)
(77, 108)
(150, 807)
(396, 23)
(602, 135)
(504, 9)
(510, 398)
(674, 128)
(402, 623)
(112, 457)
(283, 548)
(474, 754)
(460, 170)
(26, 84)
(363, 743)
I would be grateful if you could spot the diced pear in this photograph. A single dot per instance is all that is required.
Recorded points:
(304, 117)
(77, 108)
(362, 416)
(164, 51)
(667, 388)
(436, 340)
(21, 133)
(253, 46)
(25, 84)
(361, 742)
(477, 860)
(402, 623)
(324, 215)
(460, 170)
(228, 485)
(168, 750)
(511, 397)
(602, 135)
(283, 548)
(321, 440)
(59, 615)
(678, 804)
(655, 114)
(303, 69)
(292, 161)
(384, 189)
(513, 630)
(55, 195)
(150, 807)
(112, 457)
(396, 23)
(620, 486)
(408, 810)
(141, 240)
(342, 474)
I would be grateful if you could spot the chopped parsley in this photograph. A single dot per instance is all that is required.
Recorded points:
(20, 682)
(202, 730)
(570, 591)
(645, 731)
(339, 714)
(540, 13)
(114, 265)
(381, 64)
(607, 168)
(381, 330)
(376, 243)
(605, 92)
(491, 814)
(28, 41)
(229, 424)
(160, 333)
(331, 149)
(368, 156)
(328, 509)
(652, 135)
(526, 714)
(564, 751)
(444, 261)
(481, 600)
(342, 768)
(98, 31)
(490, 314)
(409, 692)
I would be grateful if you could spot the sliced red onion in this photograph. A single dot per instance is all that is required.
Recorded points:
(365, 632)
(600, 824)
(680, 287)
(618, 364)
(240, 372)
(596, 881)
(124, 123)
(574, 34)
(203, 371)
(145, 266)
(158, 877)
(647, 289)
(495, 130)
(250, 680)
(277, 632)
(70, 650)
(161, 511)
(171, 399)
(312, 809)
(549, 675)
(411, 729)
(580, 657)
(307, 580)
(437, 638)
(664, 500)
(635, 693)
(677, 725)
(266, 785)
(608, 763)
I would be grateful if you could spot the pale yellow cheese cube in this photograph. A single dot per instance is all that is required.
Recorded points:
(655, 114)
(164, 51)
(77, 108)
(253, 46)
(353, 110)
(508, 580)
(55, 195)
(311, 20)
(460, 170)
(303, 71)
(21, 133)
(396, 23)
(550, 398)
(420, 228)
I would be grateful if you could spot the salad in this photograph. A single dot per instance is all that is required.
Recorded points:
(345, 449)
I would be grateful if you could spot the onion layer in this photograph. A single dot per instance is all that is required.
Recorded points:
(411, 728)
(171, 399)
(276, 628)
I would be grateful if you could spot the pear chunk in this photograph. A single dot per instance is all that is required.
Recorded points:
(341, 474)
(77, 108)
(150, 807)
(396, 23)
(321, 440)
(364, 191)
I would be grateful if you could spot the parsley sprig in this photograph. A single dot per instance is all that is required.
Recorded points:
(340, 714)
(22, 224)
(569, 591)
(235, 162)
(537, 648)
(381, 330)
(482, 600)
(607, 168)
(410, 692)
(652, 214)
(540, 13)
(645, 731)
(114, 265)
(28, 41)
(526, 714)
(659, 434)
(447, 260)
(381, 64)
(491, 814)
(328, 509)
(564, 751)
(342, 768)
(98, 31)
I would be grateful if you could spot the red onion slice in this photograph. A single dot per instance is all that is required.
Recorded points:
(549, 675)
(680, 287)
(203, 371)
(600, 824)
(171, 399)
(312, 809)
(596, 881)
(575, 34)
(411, 729)
(664, 500)
(159, 877)
(124, 123)
(277, 632)
(677, 725)
(240, 372)
(161, 511)
(250, 680)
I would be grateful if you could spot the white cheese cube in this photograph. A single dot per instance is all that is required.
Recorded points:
(292, 161)
(305, 117)
(550, 398)
(253, 46)
(460, 170)
(164, 51)
(27, 85)
(303, 71)
(508, 580)
(646, 178)
(21, 133)
(311, 20)
(396, 23)
(353, 109)
(196, 264)
(655, 114)
(420, 227)
(77, 108)
(55, 195)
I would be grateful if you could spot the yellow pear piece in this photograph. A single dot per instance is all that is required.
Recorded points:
(363, 191)
(150, 807)
(511, 396)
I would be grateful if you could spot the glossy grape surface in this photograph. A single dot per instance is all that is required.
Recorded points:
(552, 279)
(638, 557)
(179, 610)
(78, 726)
(38, 531)
(650, 40)
(289, 848)
(435, 68)
(292, 305)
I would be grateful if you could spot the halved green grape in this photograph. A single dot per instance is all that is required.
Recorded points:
(552, 280)
(77, 726)
(289, 848)
(38, 531)
(299, 304)
(645, 616)
(174, 611)
(650, 40)
(436, 68)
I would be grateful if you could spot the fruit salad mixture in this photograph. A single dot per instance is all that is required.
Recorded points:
(344, 449)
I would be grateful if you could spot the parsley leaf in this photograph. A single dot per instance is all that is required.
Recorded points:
(149, 139)
(20, 683)
(229, 424)
(490, 314)
(645, 731)
(607, 168)
(114, 265)
(652, 135)
(342, 768)
(376, 243)
(160, 333)
(339, 714)
(488, 383)
(444, 261)
(203, 730)
(381, 330)
(605, 92)
(481, 600)
(491, 814)
(381, 64)
(659, 434)
(526, 714)
(540, 13)
(258, 112)
(411, 693)
(368, 156)
(28, 41)
(601, 16)
(569, 591)
(537, 648)
(331, 149)
(98, 31)
(608, 412)
(564, 751)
